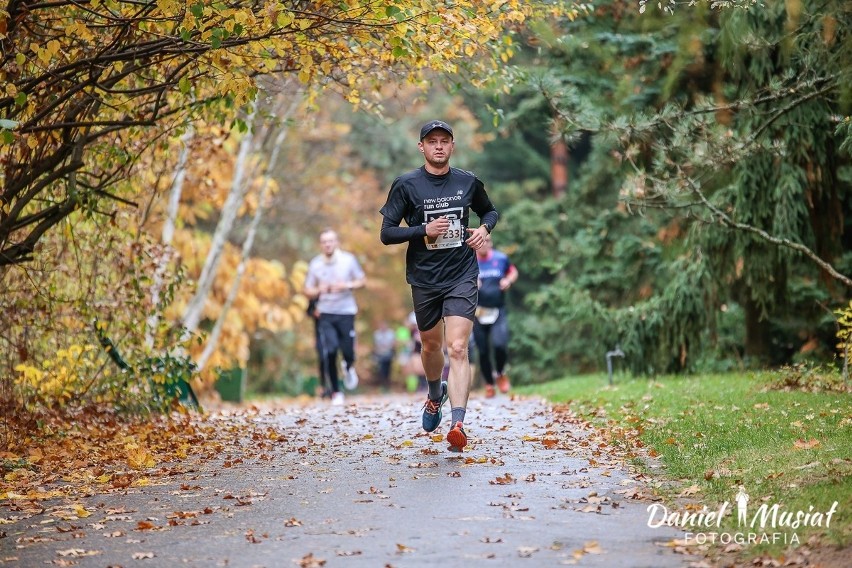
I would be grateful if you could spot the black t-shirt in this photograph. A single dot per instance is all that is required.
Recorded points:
(418, 197)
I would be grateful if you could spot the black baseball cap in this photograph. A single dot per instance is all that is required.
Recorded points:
(432, 125)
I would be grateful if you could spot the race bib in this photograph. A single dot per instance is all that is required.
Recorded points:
(451, 238)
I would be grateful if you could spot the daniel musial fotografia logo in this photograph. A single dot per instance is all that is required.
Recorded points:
(767, 523)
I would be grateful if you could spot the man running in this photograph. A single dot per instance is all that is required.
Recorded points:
(491, 328)
(332, 275)
(435, 201)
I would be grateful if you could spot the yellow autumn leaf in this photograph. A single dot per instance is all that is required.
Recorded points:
(81, 511)
(140, 458)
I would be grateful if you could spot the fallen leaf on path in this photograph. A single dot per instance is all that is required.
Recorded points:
(677, 542)
(310, 561)
(75, 552)
(505, 480)
(139, 457)
(402, 549)
(592, 547)
(471, 460)
(142, 555)
(121, 481)
(527, 551)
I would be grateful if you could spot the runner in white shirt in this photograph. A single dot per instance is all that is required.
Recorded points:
(331, 278)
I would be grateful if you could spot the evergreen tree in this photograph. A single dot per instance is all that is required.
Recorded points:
(701, 123)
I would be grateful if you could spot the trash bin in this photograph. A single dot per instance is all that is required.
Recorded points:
(231, 384)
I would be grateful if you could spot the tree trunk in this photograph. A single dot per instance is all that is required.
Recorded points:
(195, 308)
(213, 338)
(559, 167)
(757, 339)
(169, 223)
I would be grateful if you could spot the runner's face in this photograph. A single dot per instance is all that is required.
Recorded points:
(328, 243)
(437, 148)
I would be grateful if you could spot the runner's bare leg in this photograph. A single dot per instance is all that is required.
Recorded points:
(458, 335)
(432, 352)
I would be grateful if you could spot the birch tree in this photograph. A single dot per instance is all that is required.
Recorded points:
(236, 195)
(213, 336)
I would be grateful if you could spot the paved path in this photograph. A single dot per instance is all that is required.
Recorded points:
(362, 485)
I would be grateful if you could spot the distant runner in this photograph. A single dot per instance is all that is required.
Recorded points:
(332, 276)
(491, 328)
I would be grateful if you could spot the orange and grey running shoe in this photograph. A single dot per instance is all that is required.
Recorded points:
(457, 438)
(503, 383)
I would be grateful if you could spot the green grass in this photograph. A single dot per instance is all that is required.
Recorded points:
(788, 447)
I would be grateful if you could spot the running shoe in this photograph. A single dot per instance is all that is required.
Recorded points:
(350, 377)
(337, 399)
(490, 391)
(432, 410)
(457, 438)
(503, 383)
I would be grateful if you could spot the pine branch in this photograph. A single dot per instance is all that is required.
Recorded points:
(725, 220)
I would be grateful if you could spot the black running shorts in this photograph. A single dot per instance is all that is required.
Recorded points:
(432, 304)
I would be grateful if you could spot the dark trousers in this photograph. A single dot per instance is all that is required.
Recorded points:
(323, 374)
(488, 338)
(337, 333)
(384, 363)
